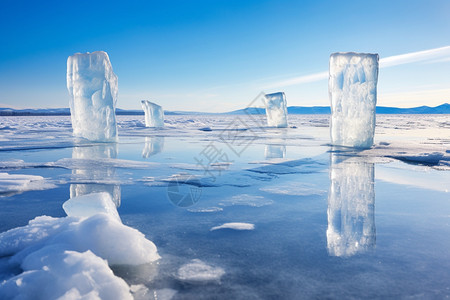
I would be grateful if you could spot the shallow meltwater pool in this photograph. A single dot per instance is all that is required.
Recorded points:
(220, 207)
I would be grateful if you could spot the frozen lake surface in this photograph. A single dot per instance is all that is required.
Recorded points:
(235, 209)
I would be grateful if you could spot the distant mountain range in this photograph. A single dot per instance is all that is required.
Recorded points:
(315, 110)
(299, 110)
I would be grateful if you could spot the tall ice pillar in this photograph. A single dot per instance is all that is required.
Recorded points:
(93, 90)
(352, 87)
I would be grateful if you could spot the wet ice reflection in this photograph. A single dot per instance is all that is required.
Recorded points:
(153, 145)
(351, 204)
(275, 151)
(97, 179)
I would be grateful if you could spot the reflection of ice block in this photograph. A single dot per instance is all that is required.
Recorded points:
(153, 145)
(351, 204)
(95, 179)
(275, 151)
(276, 110)
(352, 87)
(93, 88)
(154, 114)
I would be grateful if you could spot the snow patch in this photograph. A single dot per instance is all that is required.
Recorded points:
(205, 209)
(246, 200)
(17, 183)
(198, 271)
(293, 189)
(235, 226)
(69, 257)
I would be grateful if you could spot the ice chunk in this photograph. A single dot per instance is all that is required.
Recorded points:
(99, 233)
(276, 110)
(55, 273)
(93, 89)
(91, 204)
(352, 87)
(351, 205)
(67, 258)
(154, 114)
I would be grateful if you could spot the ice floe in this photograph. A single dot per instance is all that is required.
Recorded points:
(304, 166)
(246, 200)
(293, 189)
(234, 226)
(433, 155)
(18, 183)
(198, 271)
(205, 209)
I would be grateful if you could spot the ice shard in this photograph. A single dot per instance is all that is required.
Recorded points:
(154, 114)
(351, 205)
(93, 89)
(352, 88)
(276, 110)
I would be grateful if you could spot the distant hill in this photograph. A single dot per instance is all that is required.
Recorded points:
(298, 110)
(441, 109)
(66, 112)
(35, 112)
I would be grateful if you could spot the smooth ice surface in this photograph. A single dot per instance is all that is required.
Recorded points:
(352, 88)
(276, 110)
(351, 204)
(287, 199)
(93, 90)
(154, 114)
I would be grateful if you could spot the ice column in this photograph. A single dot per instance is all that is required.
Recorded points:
(154, 114)
(351, 205)
(276, 110)
(93, 89)
(352, 87)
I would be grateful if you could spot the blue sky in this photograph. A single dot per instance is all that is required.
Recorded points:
(219, 55)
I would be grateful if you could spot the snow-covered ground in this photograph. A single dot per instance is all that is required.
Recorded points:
(222, 206)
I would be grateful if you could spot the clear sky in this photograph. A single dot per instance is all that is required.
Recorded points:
(218, 55)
